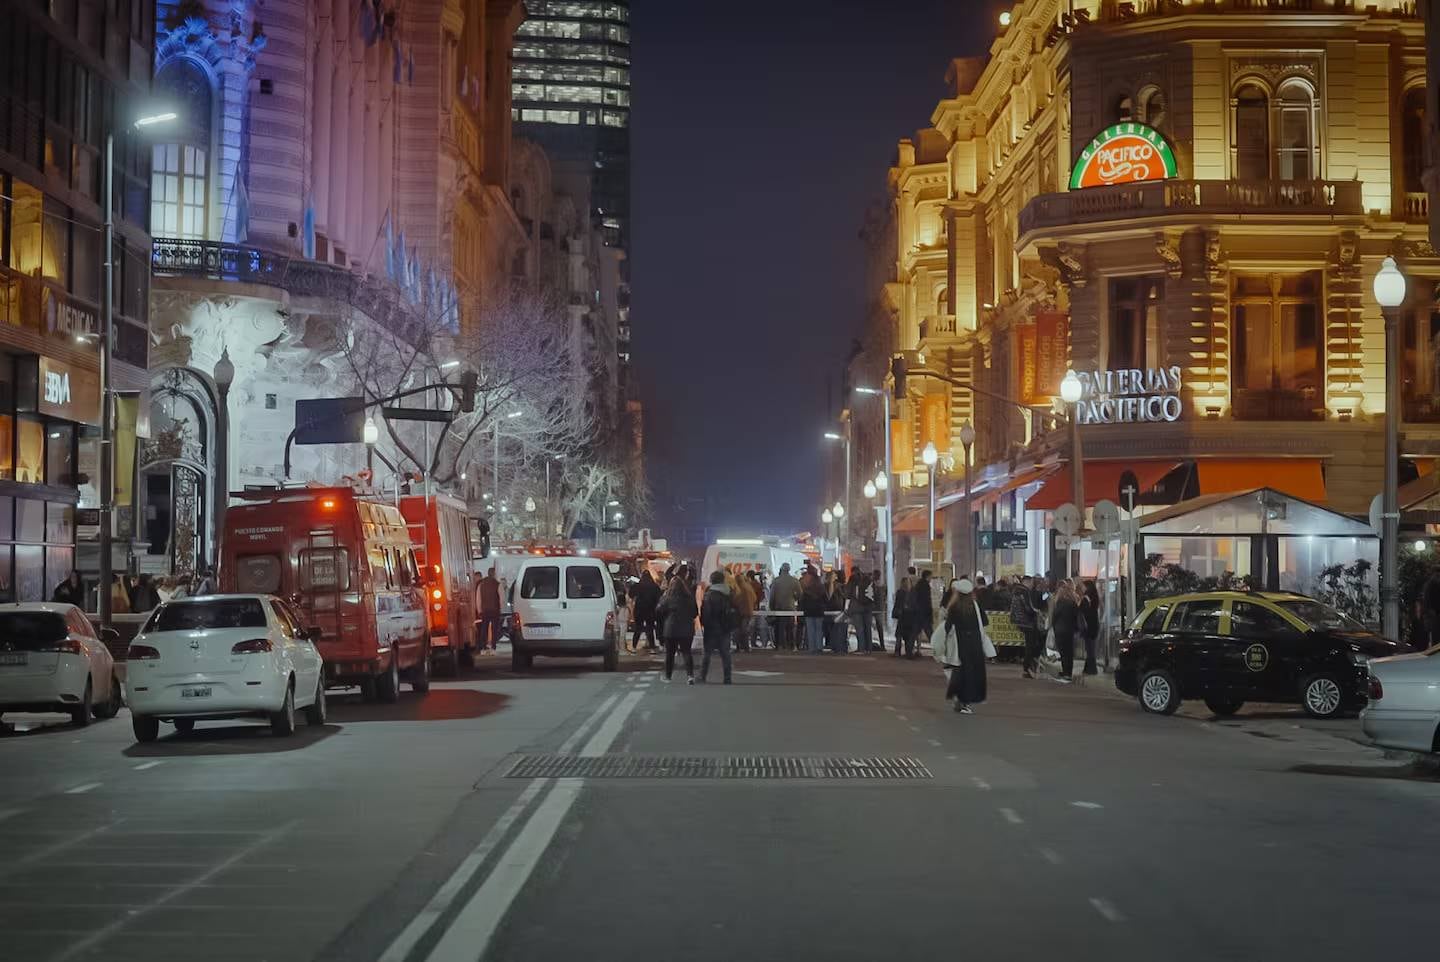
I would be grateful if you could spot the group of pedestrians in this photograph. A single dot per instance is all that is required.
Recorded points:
(1055, 613)
(719, 614)
(134, 594)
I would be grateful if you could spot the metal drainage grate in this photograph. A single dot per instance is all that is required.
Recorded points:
(723, 766)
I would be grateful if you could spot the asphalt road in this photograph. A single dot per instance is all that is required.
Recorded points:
(1054, 823)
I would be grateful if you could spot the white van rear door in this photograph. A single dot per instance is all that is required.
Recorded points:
(587, 601)
(538, 602)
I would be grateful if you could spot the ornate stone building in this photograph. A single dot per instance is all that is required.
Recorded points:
(1236, 171)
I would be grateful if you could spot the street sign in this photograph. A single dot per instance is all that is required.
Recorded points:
(330, 420)
(1004, 540)
(1129, 489)
(1067, 519)
(418, 414)
(1106, 518)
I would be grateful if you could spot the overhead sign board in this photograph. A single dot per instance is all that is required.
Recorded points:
(330, 420)
(1004, 540)
(1123, 154)
(1130, 395)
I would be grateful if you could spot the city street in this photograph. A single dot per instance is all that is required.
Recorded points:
(1055, 821)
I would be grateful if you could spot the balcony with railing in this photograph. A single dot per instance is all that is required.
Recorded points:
(1199, 198)
(1112, 11)
(1416, 207)
(937, 325)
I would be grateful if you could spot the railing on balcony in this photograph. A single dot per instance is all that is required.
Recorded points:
(216, 261)
(1250, 404)
(1417, 207)
(1113, 10)
(937, 325)
(1211, 197)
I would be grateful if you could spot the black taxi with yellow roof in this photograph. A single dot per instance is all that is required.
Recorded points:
(1230, 647)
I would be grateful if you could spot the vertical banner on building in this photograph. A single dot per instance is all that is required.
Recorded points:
(935, 422)
(1052, 340)
(902, 446)
(1026, 369)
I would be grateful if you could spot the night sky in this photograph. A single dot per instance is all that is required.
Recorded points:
(760, 134)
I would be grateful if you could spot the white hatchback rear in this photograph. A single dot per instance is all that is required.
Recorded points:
(52, 660)
(564, 607)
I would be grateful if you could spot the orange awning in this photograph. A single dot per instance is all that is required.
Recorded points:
(1102, 482)
(1297, 477)
(1027, 477)
(913, 522)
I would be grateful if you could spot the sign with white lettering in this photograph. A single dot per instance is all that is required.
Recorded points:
(1129, 395)
(66, 317)
(67, 392)
(1124, 154)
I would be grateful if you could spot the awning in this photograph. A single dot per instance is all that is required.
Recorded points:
(1028, 477)
(1102, 482)
(1297, 477)
(913, 522)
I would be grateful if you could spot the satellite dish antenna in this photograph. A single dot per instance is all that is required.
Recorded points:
(1067, 519)
(1106, 518)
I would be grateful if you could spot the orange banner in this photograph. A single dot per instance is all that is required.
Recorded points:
(1026, 369)
(935, 422)
(902, 447)
(1052, 341)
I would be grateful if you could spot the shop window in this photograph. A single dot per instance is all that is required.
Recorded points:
(29, 519)
(1250, 137)
(1412, 128)
(60, 454)
(30, 451)
(1278, 346)
(7, 583)
(7, 519)
(1134, 330)
(30, 584)
(7, 447)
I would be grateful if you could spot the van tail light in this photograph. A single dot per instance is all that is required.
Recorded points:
(437, 594)
(1377, 690)
(609, 621)
(254, 646)
(64, 646)
(515, 623)
(142, 653)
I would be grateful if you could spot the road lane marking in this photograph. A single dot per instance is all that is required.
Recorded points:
(980, 783)
(411, 935)
(609, 729)
(904, 718)
(468, 937)
(145, 765)
(82, 789)
(934, 743)
(55, 848)
(1011, 816)
(1107, 910)
(914, 729)
(1091, 805)
(889, 707)
(83, 946)
(568, 745)
(1051, 856)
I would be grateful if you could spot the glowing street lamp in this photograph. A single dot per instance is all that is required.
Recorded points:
(870, 490)
(931, 456)
(1390, 294)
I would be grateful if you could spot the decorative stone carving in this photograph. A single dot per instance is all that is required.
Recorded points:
(1214, 258)
(1274, 71)
(1169, 250)
(1069, 260)
(1347, 255)
(1419, 248)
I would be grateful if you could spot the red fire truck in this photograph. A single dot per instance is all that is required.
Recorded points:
(448, 546)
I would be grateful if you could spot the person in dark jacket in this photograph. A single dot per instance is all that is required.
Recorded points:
(837, 635)
(647, 596)
(718, 619)
(1064, 620)
(676, 613)
(71, 591)
(1090, 612)
(922, 614)
(812, 607)
(965, 620)
(1022, 613)
(144, 597)
(862, 606)
(901, 614)
(877, 607)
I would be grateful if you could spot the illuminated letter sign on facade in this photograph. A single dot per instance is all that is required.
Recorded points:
(1130, 395)
(1123, 154)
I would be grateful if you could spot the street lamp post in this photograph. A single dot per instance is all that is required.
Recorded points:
(1390, 293)
(1070, 393)
(837, 436)
(967, 438)
(224, 377)
(930, 456)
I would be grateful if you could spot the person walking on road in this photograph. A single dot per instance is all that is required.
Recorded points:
(487, 609)
(676, 613)
(965, 643)
(717, 620)
(784, 596)
(901, 614)
(922, 614)
(1022, 613)
(1090, 624)
(646, 594)
(1064, 620)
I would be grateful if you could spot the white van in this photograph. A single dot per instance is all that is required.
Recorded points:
(752, 554)
(564, 607)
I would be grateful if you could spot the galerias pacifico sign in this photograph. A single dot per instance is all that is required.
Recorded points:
(1123, 154)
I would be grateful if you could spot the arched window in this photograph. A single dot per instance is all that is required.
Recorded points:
(1412, 129)
(1295, 132)
(1251, 140)
(1152, 107)
(942, 302)
(180, 170)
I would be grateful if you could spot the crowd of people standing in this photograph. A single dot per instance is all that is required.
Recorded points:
(133, 593)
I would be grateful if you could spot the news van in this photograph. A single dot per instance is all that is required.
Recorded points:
(449, 547)
(345, 560)
(753, 554)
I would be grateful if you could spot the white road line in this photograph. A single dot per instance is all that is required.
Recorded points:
(609, 730)
(934, 743)
(82, 789)
(406, 941)
(1107, 910)
(903, 717)
(43, 854)
(1011, 816)
(953, 757)
(468, 937)
(141, 767)
(889, 707)
(914, 729)
(568, 745)
(980, 783)
(1087, 805)
(100, 935)
(1051, 856)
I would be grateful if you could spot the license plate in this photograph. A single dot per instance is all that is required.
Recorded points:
(15, 658)
(195, 692)
(541, 631)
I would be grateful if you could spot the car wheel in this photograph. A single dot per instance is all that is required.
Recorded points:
(184, 725)
(111, 707)
(420, 675)
(80, 715)
(612, 660)
(1322, 696)
(1223, 705)
(388, 687)
(1159, 695)
(147, 729)
(368, 689)
(282, 722)
(318, 711)
(519, 660)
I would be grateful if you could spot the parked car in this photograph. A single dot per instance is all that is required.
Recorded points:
(564, 607)
(224, 656)
(1404, 710)
(1230, 647)
(53, 660)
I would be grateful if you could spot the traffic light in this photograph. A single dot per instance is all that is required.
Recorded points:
(468, 382)
(897, 377)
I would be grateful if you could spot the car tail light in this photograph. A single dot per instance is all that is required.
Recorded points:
(141, 653)
(609, 621)
(515, 623)
(65, 646)
(437, 594)
(1377, 690)
(254, 646)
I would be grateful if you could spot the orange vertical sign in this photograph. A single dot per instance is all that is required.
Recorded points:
(1052, 341)
(902, 447)
(1026, 364)
(935, 422)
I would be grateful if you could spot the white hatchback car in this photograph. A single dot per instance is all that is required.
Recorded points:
(1404, 709)
(223, 656)
(52, 660)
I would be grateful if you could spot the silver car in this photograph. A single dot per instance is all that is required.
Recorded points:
(1404, 709)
